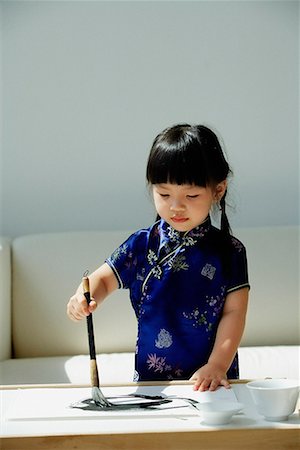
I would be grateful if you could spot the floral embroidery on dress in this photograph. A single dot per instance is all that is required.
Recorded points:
(216, 303)
(131, 261)
(173, 234)
(118, 252)
(178, 372)
(140, 276)
(158, 364)
(157, 272)
(152, 258)
(198, 319)
(164, 339)
(171, 241)
(199, 231)
(237, 244)
(208, 271)
(178, 263)
(140, 310)
(188, 241)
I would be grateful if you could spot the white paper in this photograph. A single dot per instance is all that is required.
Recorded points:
(55, 403)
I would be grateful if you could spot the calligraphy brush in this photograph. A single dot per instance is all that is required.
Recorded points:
(97, 394)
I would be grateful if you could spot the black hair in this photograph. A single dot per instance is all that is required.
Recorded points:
(187, 154)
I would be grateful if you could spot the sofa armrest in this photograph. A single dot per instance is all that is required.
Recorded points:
(5, 298)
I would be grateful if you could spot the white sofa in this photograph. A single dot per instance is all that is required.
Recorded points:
(39, 344)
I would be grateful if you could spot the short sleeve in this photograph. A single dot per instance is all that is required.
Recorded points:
(124, 260)
(239, 267)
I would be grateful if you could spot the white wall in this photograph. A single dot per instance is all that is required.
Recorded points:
(88, 85)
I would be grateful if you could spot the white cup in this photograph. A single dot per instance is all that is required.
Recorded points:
(275, 399)
(219, 412)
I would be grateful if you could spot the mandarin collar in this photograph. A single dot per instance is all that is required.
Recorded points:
(169, 236)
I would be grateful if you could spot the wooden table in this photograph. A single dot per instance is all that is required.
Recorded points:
(176, 429)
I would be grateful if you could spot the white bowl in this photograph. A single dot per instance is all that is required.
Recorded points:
(219, 412)
(275, 399)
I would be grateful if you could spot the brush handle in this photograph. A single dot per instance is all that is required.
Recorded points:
(89, 319)
(94, 373)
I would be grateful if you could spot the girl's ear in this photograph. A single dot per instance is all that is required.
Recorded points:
(220, 190)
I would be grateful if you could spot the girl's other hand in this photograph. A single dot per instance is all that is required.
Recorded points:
(77, 307)
(209, 377)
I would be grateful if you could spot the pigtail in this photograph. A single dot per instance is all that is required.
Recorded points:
(225, 226)
(225, 238)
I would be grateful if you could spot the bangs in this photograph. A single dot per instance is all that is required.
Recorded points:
(177, 166)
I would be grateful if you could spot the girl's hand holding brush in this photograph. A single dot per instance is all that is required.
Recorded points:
(103, 282)
(78, 308)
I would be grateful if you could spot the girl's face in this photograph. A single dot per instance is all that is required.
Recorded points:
(185, 206)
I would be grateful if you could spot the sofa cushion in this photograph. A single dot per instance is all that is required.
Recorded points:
(112, 367)
(278, 361)
(47, 269)
(255, 362)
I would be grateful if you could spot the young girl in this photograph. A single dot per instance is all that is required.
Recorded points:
(188, 280)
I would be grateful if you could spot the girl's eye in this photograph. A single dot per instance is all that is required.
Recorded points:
(164, 195)
(193, 196)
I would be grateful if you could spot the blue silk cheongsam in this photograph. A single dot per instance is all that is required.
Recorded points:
(178, 284)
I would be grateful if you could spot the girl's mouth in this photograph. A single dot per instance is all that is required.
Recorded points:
(179, 219)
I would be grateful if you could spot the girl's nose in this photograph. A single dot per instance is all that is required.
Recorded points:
(176, 205)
